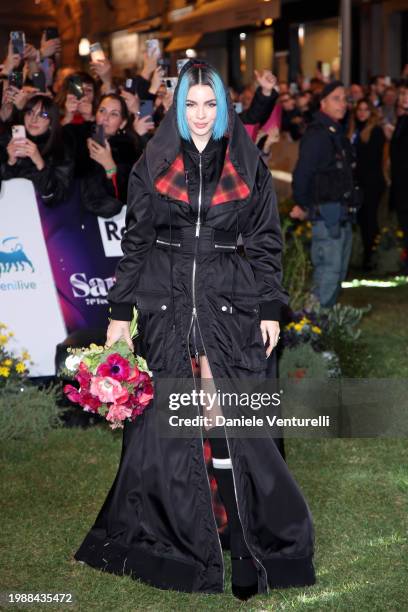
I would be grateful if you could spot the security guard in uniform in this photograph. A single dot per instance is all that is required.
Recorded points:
(325, 192)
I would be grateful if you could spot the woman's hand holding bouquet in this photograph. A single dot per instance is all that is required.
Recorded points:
(113, 382)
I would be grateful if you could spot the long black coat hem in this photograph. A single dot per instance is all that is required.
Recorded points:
(169, 573)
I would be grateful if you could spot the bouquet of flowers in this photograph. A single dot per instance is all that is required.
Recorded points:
(113, 382)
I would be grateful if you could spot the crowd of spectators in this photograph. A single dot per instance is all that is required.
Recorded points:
(58, 124)
(376, 122)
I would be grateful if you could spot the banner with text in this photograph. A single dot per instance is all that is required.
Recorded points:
(57, 265)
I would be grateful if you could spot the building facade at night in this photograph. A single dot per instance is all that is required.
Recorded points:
(289, 36)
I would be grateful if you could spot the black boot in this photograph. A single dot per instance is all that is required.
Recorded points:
(244, 573)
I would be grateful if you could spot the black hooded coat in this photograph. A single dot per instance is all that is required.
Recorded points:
(157, 522)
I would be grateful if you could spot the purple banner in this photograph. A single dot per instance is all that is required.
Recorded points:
(82, 272)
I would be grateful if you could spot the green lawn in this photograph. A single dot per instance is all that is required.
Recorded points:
(384, 329)
(357, 491)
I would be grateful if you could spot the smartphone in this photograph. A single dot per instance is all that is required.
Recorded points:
(387, 81)
(237, 107)
(96, 52)
(326, 70)
(15, 79)
(75, 86)
(47, 67)
(164, 65)
(38, 79)
(153, 47)
(18, 42)
(51, 33)
(98, 134)
(131, 85)
(293, 89)
(180, 63)
(18, 131)
(146, 108)
(170, 83)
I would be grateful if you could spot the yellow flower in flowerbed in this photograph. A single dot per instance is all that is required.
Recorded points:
(12, 366)
(298, 327)
(399, 233)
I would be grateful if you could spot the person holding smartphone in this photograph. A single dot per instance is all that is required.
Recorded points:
(106, 150)
(37, 152)
(76, 98)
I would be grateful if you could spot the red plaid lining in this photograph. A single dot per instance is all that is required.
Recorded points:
(173, 182)
(230, 186)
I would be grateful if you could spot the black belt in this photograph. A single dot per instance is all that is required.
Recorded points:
(184, 239)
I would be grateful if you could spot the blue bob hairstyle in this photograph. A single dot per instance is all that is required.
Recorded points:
(202, 75)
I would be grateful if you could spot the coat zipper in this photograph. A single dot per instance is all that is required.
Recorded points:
(239, 516)
(194, 316)
(177, 244)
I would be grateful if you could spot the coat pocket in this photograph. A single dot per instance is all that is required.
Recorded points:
(242, 323)
(153, 325)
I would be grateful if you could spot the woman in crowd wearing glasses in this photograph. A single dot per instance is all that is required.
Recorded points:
(40, 156)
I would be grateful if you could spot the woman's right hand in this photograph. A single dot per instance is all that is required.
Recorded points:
(118, 330)
(143, 125)
(14, 150)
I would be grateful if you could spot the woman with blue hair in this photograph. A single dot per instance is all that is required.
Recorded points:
(201, 297)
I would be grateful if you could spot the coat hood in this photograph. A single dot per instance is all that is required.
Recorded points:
(163, 148)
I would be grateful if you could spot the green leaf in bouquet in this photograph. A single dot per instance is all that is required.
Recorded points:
(133, 326)
(92, 362)
(103, 410)
(142, 363)
(121, 347)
